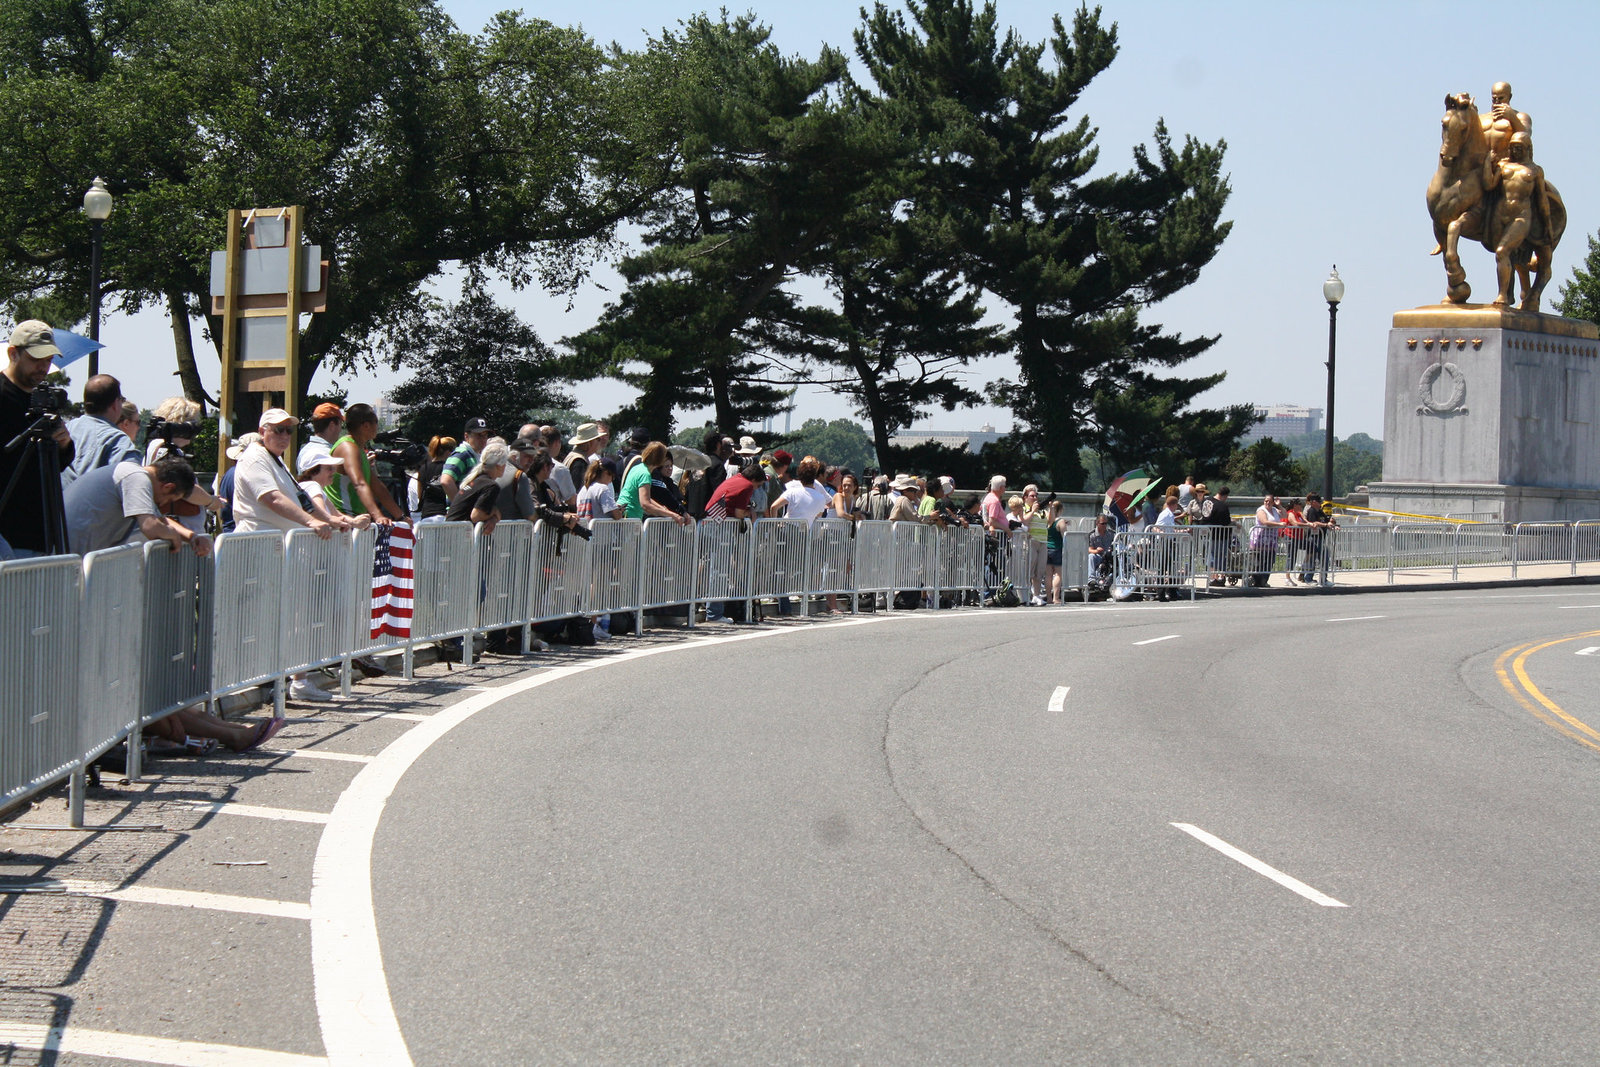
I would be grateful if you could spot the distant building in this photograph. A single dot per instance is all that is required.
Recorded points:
(971, 440)
(388, 412)
(1280, 421)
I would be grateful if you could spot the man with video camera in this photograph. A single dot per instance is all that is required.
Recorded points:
(34, 442)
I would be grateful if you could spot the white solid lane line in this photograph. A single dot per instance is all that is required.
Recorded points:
(1058, 699)
(104, 1043)
(1260, 868)
(254, 811)
(1153, 640)
(1359, 618)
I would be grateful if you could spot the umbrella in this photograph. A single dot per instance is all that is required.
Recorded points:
(73, 346)
(690, 459)
(1121, 491)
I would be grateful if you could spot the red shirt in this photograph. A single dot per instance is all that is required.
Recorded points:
(732, 495)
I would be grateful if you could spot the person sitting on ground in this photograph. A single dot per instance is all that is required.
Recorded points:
(1101, 542)
(194, 731)
(127, 504)
(476, 500)
(597, 500)
(96, 438)
(317, 472)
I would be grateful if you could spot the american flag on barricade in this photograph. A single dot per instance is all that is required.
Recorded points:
(392, 585)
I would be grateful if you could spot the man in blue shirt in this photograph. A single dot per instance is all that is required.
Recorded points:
(95, 436)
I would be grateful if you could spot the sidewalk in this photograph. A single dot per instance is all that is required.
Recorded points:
(1413, 579)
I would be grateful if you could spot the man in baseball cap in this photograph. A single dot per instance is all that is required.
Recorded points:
(474, 435)
(22, 526)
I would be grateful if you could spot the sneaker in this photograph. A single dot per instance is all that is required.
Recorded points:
(307, 691)
(1036, 602)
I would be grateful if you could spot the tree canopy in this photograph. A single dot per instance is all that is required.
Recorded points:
(794, 225)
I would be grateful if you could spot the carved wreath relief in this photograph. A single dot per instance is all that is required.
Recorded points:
(1435, 398)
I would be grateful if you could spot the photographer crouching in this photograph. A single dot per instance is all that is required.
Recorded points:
(34, 446)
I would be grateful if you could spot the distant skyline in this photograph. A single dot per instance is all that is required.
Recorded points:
(1331, 116)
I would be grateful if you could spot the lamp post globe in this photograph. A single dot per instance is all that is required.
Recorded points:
(97, 206)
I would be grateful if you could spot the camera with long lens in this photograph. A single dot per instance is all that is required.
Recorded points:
(170, 433)
(48, 401)
(393, 448)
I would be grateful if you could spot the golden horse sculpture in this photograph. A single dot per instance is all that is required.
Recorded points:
(1488, 189)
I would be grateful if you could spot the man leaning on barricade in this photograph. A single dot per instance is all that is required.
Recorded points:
(128, 504)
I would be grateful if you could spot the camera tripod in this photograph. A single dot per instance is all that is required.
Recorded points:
(38, 446)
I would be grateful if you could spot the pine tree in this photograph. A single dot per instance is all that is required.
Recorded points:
(1076, 257)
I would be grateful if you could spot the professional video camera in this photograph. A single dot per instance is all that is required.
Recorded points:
(48, 401)
(391, 447)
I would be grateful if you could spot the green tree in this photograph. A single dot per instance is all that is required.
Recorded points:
(1266, 467)
(411, 146)
(1580, 297)
(474, 359)
(1077, 258)
(839, 443)
(1148, 424)
(770, 167)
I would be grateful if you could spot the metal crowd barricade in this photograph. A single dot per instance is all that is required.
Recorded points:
(362, 641)
(1363, 547)
(505, 560)
(41, 604)
(1480, 545)
(1540, 542)
(612, 558)
(780, 558)
(1585, 543)
(446, 576)
(246, 624)
(829, 564)
(316, 603)
(113, 611)
(1155, 559)
(179, 610)
(960, 551)
(1416, 545)
(722, 560)
(668, 580)
(874, 563)
(1075, 562)
(916, 562)
(560, 582)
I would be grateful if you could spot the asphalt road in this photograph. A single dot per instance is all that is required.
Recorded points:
(884, 843)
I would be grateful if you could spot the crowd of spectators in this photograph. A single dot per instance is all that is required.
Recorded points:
(113, 491)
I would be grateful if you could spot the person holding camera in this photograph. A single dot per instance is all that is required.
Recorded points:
(354, 490)
(30, 506)
(96, 438)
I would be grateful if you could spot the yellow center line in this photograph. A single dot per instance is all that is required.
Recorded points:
(1547, 711)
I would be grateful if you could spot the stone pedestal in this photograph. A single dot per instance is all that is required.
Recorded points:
(1491, 414)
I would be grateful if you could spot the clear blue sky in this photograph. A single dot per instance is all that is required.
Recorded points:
(1331, 115)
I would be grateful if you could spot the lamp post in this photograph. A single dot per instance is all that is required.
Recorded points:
(96, 205)
(1332, 292)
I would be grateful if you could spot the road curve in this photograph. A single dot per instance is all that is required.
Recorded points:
(970, 837)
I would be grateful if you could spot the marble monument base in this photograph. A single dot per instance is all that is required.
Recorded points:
(1491, 413)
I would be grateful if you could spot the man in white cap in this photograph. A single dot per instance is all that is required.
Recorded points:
(266, 496)
(22, 523)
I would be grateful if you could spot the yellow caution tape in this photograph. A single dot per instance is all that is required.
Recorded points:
(1407, 515)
